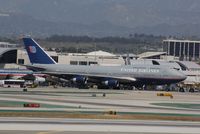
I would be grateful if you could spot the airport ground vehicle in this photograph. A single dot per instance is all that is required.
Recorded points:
(188, 87)
(12, 83)
(191, 84)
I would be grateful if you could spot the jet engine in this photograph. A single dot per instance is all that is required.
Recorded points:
(39, 79)
(80, 80)
(111, 83)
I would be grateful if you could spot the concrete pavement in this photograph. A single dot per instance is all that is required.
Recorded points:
(105, 126)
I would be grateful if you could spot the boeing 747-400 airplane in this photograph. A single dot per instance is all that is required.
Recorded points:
(107, 76)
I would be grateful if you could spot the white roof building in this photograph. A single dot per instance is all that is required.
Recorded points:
(92, 58)
(100, 53)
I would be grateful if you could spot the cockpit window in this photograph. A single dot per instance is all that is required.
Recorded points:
(155, 62)
(176, 68)
(183, 67)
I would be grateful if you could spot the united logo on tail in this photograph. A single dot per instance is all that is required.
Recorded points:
(32, 49)
(36, 54)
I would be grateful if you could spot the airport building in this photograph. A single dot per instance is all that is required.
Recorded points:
(183, 49)
(91, 58)
(8, 55)
(20, 56)
(7, 45)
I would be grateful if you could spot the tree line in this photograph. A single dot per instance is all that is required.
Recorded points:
(135, 38)
(134, 43)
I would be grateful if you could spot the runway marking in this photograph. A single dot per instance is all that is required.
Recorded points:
(49, 132)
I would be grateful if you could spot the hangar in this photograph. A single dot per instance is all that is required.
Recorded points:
(8, 55)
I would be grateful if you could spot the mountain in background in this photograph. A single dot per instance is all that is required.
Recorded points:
(99, 17)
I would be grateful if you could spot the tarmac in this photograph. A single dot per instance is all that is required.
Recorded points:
(54, 101)
(57, 125)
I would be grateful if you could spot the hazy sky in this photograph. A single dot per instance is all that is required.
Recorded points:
(123, 12)
(142, 15)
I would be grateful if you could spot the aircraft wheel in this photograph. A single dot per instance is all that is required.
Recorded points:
(130, 88)
(117, 88)
(63, 85)
(121, 87)
(191, 90)
(101, 87)
(83, 87)
(181, 90)
(167, 89)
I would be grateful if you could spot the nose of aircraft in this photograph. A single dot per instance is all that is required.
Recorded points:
(182, 76)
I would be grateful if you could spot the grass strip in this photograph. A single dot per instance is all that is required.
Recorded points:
(99, 115)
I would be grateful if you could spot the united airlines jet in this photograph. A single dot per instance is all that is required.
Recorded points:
(106, 76)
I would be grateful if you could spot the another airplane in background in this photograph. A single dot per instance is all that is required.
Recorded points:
(21, 74)
(102, 76)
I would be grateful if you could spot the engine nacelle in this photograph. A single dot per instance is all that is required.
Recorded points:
(111, 83)
(80, 80)
(39, 79)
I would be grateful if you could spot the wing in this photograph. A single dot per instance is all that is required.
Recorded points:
(34, 68)
(90, 77)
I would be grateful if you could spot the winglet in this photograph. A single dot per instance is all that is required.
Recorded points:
(36, 53)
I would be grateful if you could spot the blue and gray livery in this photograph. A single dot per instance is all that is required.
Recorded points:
(110, 76)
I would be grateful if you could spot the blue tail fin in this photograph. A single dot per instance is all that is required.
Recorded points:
(36, 53)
